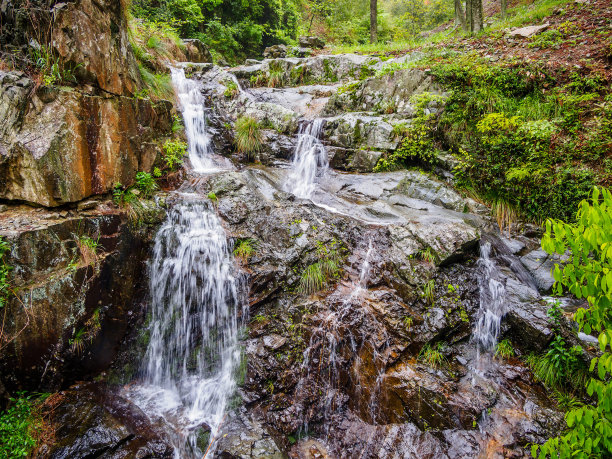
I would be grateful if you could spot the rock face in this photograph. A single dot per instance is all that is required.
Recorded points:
(529, 31)
(196, 51)
(62, 146)
(80, 301)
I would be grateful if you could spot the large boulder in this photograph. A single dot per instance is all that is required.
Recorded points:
(60, 146)
(311, 42)
(274, 52)
(196, 51)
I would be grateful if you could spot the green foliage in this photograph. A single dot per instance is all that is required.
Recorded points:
(504, 349)
(588, 274)
(146, 184)
(232, 30)
(417, 144)
(212, 196)
(510, 128)
(158, 85)
(427, 254)
(431, 356)
(20, 426)
(53, 71)
(553, 38)
(177, 123)
(231, 89)
(328, 267)
(429, 291)
(5, 269)
(560, 367)
(173, 153)
(249, 138)
(244, 248)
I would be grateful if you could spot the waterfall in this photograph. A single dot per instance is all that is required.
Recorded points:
(492, 301)
(196, 313)
(192, 106)
(309, 160)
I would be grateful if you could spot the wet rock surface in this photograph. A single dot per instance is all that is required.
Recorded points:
(74, 303)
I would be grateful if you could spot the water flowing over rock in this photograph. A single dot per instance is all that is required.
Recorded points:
(309, 161)
(196, 312)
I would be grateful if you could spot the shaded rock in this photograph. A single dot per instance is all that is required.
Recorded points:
(244, 435)
(529, 31)
(311, 42)
(65, 286)
(364, 131)
(301, 51)
(390, 93)
(196, 51)
(353, 160)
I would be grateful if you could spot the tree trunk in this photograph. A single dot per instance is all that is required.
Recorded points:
(469, 17)
(477, 14)
(459, 14)
(373, 21)
(504, 8)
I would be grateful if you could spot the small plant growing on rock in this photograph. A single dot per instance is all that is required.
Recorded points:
(213, 197)
(427, 255)
(504, 349)
(5, 269)
(245, 248)
(408, 322)
(318, 274)
(432, 357)
(173, 153)
(231, 89)
(428, 292)
(77, 342)
(88, 248)
(146, 184)
(249, 138)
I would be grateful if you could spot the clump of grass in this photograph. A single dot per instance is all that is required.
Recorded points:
(276, 76)
(146, 184)
(312, 279)
(432, 357)
(565, 401)
(158, 85)
(244, 249)
(77, 342)
(88, 248)
(504, 349)
(249, 138)
(428, 292)
(559, 368)
(231, 89)
(427, 255)
(317, 275)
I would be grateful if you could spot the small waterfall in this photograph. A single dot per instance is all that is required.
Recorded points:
(492, 301)
(196, 313)
(309, 160)
(323, 352)
(192, 106)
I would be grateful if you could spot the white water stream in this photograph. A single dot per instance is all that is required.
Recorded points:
(188, 373)
(309, 160)
(492, 301)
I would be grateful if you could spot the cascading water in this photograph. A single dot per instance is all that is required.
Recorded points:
(195, 317)
(188, 375)
(492, 301)
(192, 106)
(309, 160)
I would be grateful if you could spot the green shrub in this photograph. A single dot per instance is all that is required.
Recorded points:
(158, 85)
(173, 153)
(589, 276)
(231, 89)
(146, 184)
(21, 425)
(429, 291)
(249, 138)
